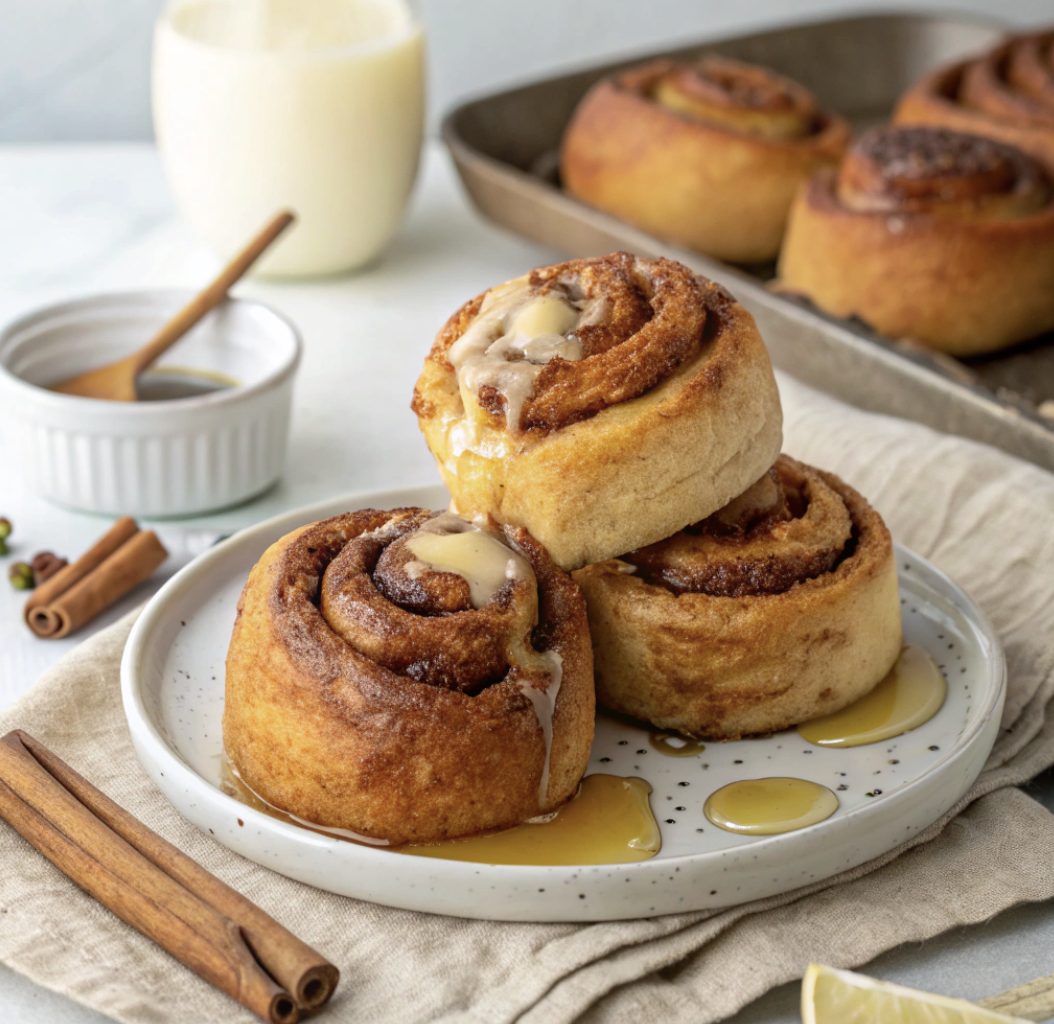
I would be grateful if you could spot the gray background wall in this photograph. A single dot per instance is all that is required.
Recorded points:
(79, 69)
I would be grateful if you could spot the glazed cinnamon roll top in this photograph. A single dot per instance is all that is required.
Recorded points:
(789, 526)
(567, 341)
(740, 97)
(1014, 81)
(940, 173)
(445, 601)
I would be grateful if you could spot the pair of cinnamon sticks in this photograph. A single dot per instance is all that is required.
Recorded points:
(157, 889)
(120, 560)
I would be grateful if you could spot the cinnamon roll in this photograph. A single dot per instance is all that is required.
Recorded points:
(928, 234)
(409, 677)
(601, 404)
(781, 607)
(706, 154)
(1007, 94)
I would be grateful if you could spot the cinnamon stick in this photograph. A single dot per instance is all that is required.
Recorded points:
(156, 888)
(120, 560)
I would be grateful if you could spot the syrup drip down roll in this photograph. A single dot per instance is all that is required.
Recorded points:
(928, 234)
(602, 404)
(409, 677)
(706, 154)
(781, 607)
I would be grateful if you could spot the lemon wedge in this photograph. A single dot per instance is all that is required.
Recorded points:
(830, 996)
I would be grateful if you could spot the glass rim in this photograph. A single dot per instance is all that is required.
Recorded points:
(414, 26)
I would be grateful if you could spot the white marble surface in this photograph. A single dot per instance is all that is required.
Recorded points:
(81, 219)
(74, 70)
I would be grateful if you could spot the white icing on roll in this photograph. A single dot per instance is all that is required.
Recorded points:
(450, 543)
(514, 335)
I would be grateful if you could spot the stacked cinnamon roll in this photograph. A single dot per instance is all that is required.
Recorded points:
(409, 676)
(623, 528)
(780, 607)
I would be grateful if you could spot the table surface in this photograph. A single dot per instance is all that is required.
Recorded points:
(81, 219)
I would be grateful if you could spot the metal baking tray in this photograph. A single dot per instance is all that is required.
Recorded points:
(505, 146)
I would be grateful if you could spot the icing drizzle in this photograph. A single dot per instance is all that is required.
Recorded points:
(450, 543)
(515, 334)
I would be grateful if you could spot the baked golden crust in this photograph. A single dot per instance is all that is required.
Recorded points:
(780, 609)
(1007, 94)
(709, 155)
(670, 412)
(367, 696)
(928, 234)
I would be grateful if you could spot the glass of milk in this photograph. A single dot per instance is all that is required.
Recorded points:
(312, 105)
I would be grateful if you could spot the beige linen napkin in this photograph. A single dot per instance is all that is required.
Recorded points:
(983, 517)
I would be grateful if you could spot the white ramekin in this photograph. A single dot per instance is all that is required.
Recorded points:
(155, 459)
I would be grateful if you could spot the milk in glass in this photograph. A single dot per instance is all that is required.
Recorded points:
(313, 105)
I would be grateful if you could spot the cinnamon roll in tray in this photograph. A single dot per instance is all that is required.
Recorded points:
(412, 676)
(708, 154)
(929, 234)
(1005, 94)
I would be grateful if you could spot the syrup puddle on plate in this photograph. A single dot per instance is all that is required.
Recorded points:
(609, 821)
(910, 695)
(768, 807)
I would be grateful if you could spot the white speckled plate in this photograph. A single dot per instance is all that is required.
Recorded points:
(172, 682)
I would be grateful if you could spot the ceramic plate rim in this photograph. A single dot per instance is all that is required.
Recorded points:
(154, 614)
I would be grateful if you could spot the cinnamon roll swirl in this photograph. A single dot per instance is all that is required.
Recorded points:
(707, 154)
(601, 404)
(1007, 94)
(928, 234)
(780, 607)
(409, 677)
